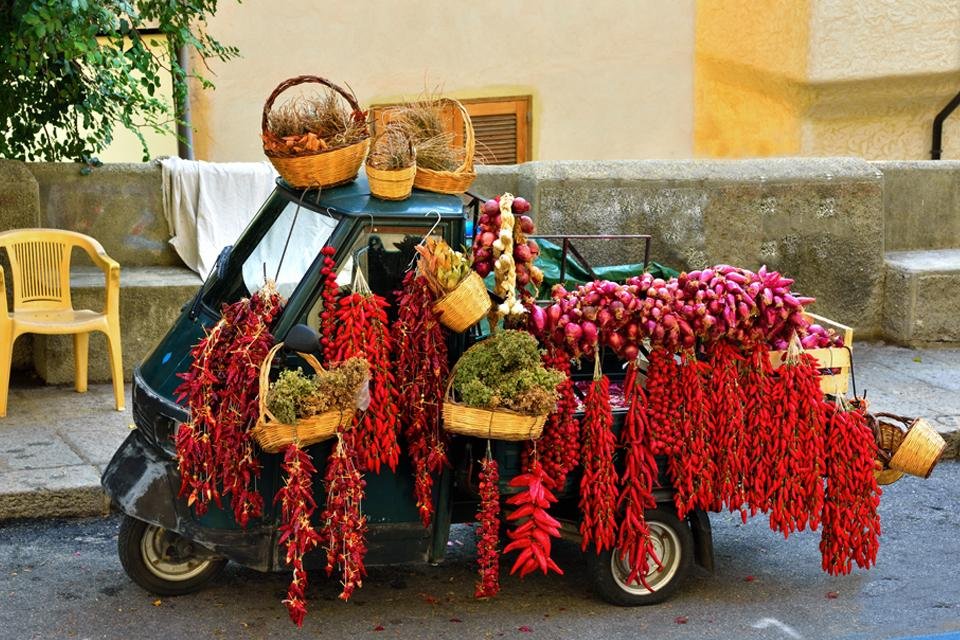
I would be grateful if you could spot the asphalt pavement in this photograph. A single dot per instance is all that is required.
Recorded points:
(62, 579)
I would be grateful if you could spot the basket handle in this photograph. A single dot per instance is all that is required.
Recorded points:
(470, 143)
(292, 82)
(906, 421)
(265, 376)
(448, 394)
(265, 381)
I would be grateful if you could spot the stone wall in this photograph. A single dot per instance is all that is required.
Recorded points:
(826, 222)
(818, 220)
(921, 204)
(121, 205)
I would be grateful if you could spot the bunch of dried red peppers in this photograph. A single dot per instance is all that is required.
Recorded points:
(737, 435)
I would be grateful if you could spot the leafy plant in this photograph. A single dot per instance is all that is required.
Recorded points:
(506, 371)
(75, 69)
(294, 395)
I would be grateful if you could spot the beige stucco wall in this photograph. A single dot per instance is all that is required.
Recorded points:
(825, 77)
(609, 79)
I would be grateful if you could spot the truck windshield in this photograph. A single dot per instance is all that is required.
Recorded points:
(287, 248)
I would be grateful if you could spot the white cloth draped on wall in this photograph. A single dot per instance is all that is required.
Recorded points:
(207, 205)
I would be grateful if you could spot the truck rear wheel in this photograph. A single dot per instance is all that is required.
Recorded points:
(673, 543)
(163, 562)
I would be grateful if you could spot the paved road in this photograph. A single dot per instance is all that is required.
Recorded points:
(62, 579)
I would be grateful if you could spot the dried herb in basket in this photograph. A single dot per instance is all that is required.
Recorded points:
(313, 123)
(295, 395)
(422, 122)
(505, 371)
(391, 150)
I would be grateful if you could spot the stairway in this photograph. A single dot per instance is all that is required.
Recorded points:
(921, 298)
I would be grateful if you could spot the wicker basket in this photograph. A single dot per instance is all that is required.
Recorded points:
(888, 437)
(312, 169)
(920, 449)
(273, 435)
(459, 180)
(500, 424)
(392, 184)
(465, 305)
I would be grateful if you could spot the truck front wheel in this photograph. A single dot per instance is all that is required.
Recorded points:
(673, 543)
(163, 562)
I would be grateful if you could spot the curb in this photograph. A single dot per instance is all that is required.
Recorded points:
(76, 502)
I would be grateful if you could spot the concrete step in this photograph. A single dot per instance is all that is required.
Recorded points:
(150, 300)
(921, 302)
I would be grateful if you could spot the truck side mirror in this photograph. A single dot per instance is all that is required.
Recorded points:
(303, 338)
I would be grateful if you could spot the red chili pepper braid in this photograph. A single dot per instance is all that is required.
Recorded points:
(215, 454)
(798, 421)
(345, 526)
(360, 322)
(559, 447)
(851, 524)
(639, 476)
(421, 365)
(598, 485)
(693, 470)
(297, 534)
(531, 536)
(726, 402)
(488, 530)
(329, 296)
(664, 401)
(759, 446)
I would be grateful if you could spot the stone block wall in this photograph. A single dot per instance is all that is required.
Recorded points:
(818, 220)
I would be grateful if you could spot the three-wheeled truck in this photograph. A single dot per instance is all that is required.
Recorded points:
(166, 549)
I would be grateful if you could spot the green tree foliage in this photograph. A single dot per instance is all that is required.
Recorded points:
(73, 70)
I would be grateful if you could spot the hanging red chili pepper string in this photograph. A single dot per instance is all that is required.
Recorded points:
(639, 477)
(328, 295)
(663, 402)
(559, 446)
(421, 363)
(488, 529)
(851, 524)
(532, 536)
(726, 402)
(360, 322)
(598, 485)
(381, 421)
(694, 471)
(215, 454)
(345, 526)
(797, 424)
(756, 379)
(297, 534)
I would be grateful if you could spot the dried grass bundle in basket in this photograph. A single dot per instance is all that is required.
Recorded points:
(442, 165)
(391, 165)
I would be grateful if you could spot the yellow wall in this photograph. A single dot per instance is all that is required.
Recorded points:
(126, 146)
(609, 79)
(825, 77)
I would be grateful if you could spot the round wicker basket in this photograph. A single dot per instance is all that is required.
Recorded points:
(460, 179)
(273, 435)
(393, 184)
(920, 449)
(323, 168)
(499, 424)
(465, 305)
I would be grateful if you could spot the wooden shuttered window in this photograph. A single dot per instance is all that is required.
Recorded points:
(501, 127)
